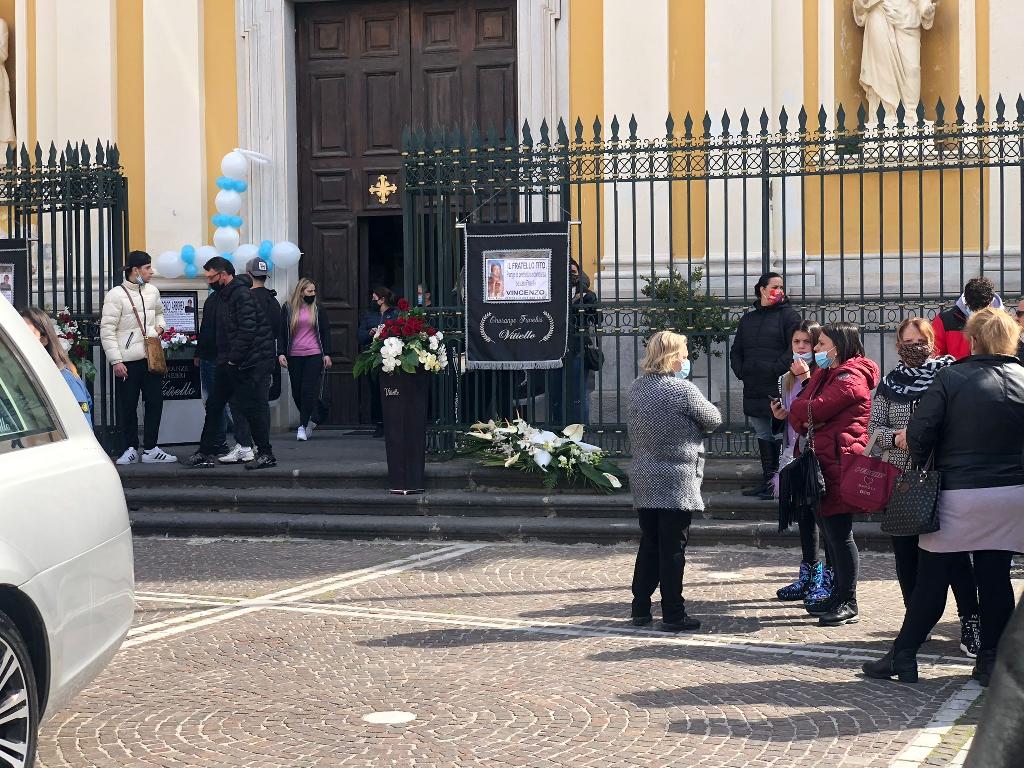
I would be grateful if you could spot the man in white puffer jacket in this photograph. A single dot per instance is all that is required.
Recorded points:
(127, 309)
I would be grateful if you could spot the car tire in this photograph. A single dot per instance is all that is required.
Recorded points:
(19, 699)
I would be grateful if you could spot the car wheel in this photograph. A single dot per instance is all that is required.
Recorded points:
(19, 700)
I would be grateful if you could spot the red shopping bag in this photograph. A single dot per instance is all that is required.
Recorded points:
(866, 482)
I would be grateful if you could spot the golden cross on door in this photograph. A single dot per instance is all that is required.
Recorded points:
(383, 189)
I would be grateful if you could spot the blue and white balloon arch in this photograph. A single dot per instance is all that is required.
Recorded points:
(189, 260)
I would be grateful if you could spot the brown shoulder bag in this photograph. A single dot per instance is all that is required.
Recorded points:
(156, 360)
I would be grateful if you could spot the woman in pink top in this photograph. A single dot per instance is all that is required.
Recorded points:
(306, 344)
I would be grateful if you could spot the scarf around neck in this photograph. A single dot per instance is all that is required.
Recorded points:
(904, 384)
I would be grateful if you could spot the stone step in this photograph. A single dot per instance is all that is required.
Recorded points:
(450, 503)
(719, 475)
(439, 527)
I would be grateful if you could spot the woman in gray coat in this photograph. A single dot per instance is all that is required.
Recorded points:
(668, 420)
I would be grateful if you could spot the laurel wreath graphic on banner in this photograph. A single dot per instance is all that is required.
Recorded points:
(489, 340)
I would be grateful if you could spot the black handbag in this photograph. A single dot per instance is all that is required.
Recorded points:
(593, 357)
(913, 506)
(801, 483)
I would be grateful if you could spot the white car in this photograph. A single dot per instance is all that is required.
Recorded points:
(66, 572)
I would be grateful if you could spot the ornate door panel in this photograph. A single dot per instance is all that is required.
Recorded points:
(365, 71)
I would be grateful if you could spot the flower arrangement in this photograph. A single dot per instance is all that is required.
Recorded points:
(563, 459)
(172, 339)
(75, 343)
(404, 345)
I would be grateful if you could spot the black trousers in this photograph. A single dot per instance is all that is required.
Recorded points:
(151, 387)
(961, 575)
(808, 537)
(304, 373)
(842, 550)
(934, 574)
(660, 561)
(248, 392)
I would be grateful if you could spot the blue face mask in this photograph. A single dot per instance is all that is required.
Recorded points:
(807, 357)
(822, 360)
(683, 372)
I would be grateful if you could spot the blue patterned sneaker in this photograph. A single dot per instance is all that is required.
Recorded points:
(798, 589)
(820, 589)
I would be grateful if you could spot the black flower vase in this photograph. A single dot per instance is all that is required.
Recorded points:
(403, 398)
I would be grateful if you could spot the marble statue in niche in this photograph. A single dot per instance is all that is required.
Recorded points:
(890, 69)
(7, 135)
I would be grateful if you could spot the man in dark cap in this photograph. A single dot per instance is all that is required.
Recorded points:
(132, 312)
(245, 350)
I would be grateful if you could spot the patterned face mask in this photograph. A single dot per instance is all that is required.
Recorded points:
(914, 353)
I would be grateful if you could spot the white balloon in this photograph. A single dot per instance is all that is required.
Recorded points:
(228, 202)
(169, 264)
(225, 239)
(203, 254)
(285, 254)
(246, 251)
(234, 165)
(240, 259)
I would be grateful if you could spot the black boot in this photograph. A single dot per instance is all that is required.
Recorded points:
(765, 448)
(983, 665)
(899, 664)
(773, 467)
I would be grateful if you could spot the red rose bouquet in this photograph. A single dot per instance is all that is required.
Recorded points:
(75, 343)
(404, 345)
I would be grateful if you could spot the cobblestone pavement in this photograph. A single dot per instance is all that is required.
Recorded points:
(273, 653)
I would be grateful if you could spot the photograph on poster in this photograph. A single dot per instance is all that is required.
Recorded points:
(7, 282)
(517, 276)
(180, 311)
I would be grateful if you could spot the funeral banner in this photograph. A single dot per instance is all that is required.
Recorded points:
(517, 295)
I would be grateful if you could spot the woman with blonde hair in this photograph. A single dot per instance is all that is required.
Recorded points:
(891, 408)
(305, 347)
(668, 420)
(971, 420)
(42, 326)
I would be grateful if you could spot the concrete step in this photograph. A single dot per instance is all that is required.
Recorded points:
(719, 475)
(439, 527)
(720, 505)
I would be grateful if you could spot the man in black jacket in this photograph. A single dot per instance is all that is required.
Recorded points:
(205, 359)
(258, 270)
(245, 351)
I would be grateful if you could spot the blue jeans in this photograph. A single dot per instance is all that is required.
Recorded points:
(207, 369)
(762, 427)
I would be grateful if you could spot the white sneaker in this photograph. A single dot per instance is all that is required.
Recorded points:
(237, 454)
(157, 455)
(301, 434)
(310, 427)
(130, 456)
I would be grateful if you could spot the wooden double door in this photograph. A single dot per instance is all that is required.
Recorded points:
(365, 72)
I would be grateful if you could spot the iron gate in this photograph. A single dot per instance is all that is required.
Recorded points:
(868, 222)
(72, 209)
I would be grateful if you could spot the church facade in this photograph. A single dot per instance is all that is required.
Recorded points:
(326, 89)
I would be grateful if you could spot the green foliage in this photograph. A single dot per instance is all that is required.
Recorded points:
(680, 305)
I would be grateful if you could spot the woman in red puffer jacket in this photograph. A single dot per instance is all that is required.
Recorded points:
(838, 396)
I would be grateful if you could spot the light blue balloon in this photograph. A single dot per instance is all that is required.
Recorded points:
(240, 185)
(225, 183)
(188, 254)
(265, 248)
(191, 270)
(218, 220)
(234, 221)
(270, 264)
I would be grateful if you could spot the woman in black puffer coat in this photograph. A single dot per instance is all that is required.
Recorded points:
(760, 354)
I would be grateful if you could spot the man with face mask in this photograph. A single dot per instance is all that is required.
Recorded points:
(949, 325)
(132, 311)
(245, 353)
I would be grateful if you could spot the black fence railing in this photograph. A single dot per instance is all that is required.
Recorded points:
(869, 221)
(71, 207)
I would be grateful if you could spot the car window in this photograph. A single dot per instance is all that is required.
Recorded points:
(26, 418)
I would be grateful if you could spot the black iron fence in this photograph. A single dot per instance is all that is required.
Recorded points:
(868, 220)
(72, 209)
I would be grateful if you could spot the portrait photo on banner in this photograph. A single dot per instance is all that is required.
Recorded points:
(522, 275)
